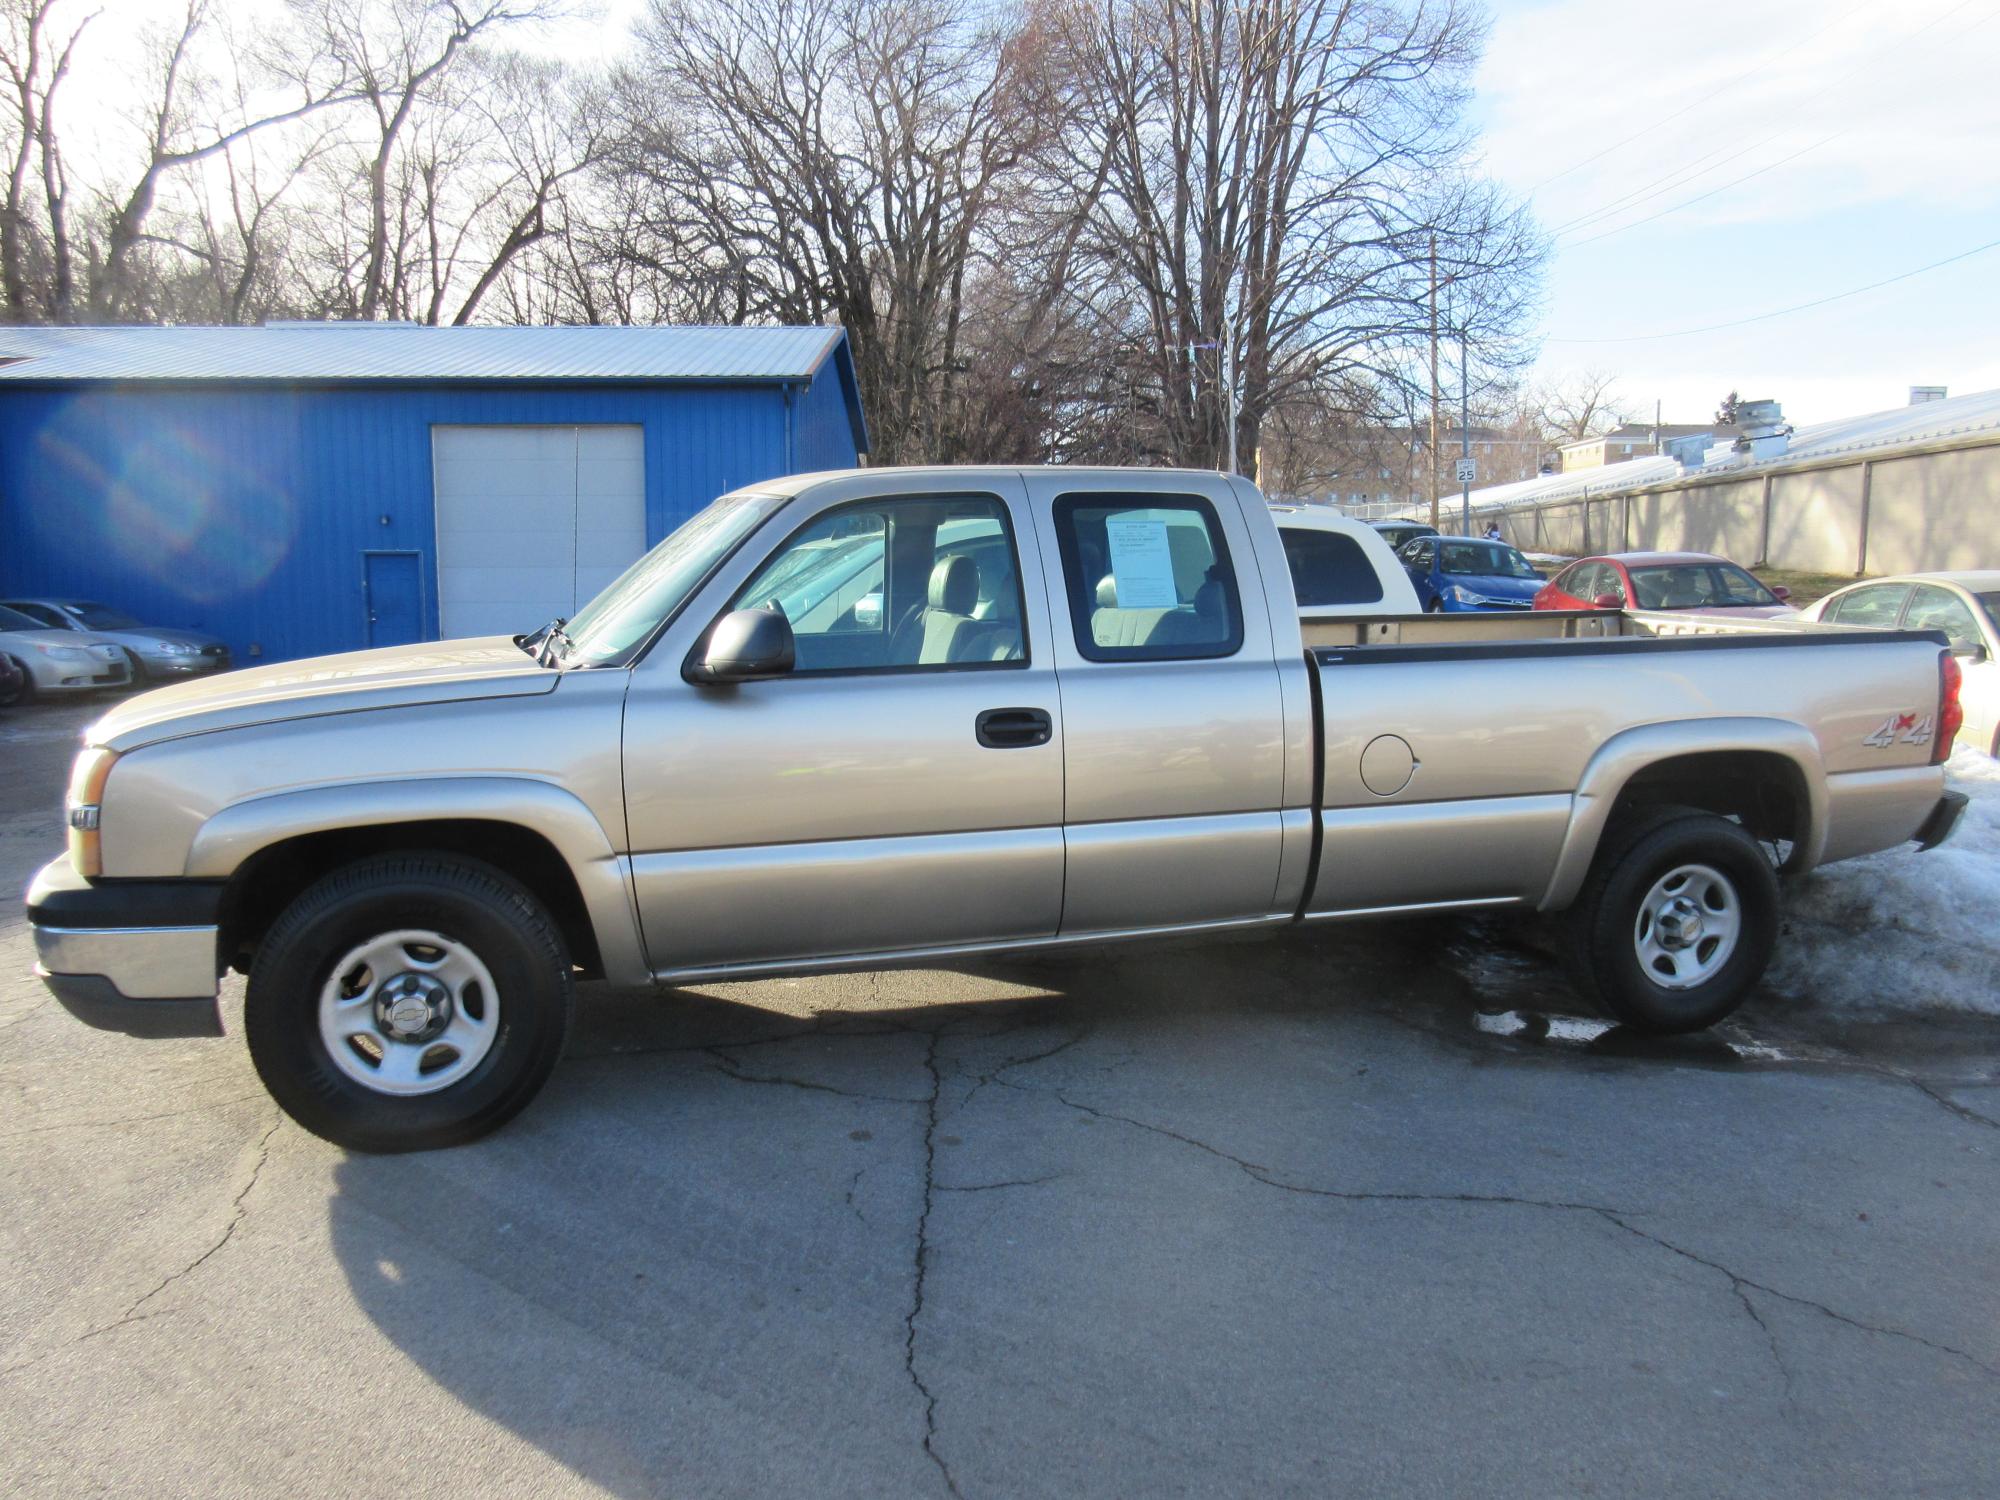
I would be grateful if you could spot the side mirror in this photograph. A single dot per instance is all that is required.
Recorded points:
(1969, 653)
(1607, 601)
(746, 645)
(1781, 591)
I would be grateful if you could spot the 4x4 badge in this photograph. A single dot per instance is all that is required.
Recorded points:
(1908, 728)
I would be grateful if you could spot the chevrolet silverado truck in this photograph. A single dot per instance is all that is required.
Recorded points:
(897, 717)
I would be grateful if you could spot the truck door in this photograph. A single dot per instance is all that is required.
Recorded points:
(1173, 720)
(902, 787)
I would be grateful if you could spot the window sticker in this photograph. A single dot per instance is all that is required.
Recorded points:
(1142, 564)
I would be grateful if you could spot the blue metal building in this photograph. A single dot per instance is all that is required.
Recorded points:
(302, 489)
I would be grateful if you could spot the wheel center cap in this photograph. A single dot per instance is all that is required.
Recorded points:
(412, 1008)
(1680, 923)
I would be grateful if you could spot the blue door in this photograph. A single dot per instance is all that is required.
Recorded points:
(393, 597)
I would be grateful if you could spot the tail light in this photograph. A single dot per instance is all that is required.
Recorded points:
(1951, 713)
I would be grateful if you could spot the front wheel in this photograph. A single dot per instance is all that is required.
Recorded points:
(9, 697)
(1675, 923)
(408, 1002)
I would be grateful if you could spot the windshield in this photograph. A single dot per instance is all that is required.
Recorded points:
(1698, 586)
(13, 619)
(100, 616)
(653, 589)
(1484, 559)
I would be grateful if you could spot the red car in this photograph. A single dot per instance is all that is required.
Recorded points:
(1661, 580)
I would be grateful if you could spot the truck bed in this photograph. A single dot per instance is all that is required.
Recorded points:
(1524, 626)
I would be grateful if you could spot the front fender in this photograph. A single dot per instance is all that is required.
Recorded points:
(1626, 754)
(237, 832)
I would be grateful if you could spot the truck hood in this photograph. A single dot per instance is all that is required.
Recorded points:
(393, 677)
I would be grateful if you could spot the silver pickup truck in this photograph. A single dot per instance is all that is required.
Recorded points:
(891, 717)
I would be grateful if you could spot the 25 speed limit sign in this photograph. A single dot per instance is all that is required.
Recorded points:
(1467, 471)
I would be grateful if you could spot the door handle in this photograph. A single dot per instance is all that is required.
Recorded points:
(1013, 728)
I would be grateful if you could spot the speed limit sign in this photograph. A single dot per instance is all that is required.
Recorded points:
(1467, 472)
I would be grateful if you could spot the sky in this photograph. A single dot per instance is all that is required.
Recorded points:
(1698, 163)
(1830, 146)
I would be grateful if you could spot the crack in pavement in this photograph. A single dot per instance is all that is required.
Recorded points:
(922, 1259)
(1737, 1281)
(994, 1187)
(170, 1114)
(730, 1068)
(85, 1337)
(239, 1210)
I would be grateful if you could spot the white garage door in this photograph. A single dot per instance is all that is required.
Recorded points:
(532, 521)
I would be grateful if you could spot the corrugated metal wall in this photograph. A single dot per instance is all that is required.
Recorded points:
(822, 433)
(245, 511)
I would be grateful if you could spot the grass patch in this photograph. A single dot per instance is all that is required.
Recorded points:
(1806, 587)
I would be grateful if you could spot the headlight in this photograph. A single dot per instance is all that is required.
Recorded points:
(84, 809)
(64, 653)
(175, 648)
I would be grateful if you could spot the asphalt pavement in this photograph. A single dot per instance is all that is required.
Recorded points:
(1368, 1211)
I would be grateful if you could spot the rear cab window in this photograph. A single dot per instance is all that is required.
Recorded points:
(1329, 567)
(1148, 578)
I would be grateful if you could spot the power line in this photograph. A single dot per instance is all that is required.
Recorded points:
(1674, 208)
(1688, 171)
(1681, 333)
(1723, 87)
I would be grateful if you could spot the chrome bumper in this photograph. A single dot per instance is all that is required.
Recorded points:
(154, 980)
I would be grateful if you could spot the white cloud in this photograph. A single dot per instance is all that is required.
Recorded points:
(1884, 103)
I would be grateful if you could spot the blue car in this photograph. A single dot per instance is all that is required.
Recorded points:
(1457, 574)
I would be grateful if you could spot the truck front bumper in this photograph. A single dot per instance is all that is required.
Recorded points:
(137, 956)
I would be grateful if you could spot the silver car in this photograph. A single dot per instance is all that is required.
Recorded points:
(59, 661)
(158, 653)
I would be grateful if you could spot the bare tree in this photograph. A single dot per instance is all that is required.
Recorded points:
(399, 56)
(1577, 405)
(37, 46)
(1280, 180)
(814, 160)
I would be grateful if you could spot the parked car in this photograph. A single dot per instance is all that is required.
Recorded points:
(1965, 606)
(1340, 567)
(1399, 534)
(157, 653)
(413, 851)
(1663, 580)
(56, 662)
(1455, 574)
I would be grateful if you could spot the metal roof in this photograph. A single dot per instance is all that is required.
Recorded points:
(1877, 432)
(407, 352)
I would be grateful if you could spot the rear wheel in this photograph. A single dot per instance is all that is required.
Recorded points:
(1675, 923)
(408, 1002)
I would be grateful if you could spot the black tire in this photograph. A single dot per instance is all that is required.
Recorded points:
(473, 905)
(25, 693)
(1435, 607)
(140, 676)
(1602, 929)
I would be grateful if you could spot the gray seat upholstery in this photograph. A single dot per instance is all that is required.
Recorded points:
(944, 630)
(1200, 621)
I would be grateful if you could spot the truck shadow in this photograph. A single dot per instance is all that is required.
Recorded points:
(698, 1260)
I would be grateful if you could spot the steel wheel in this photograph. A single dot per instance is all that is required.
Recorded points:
(409, 1012)
(1687, 927)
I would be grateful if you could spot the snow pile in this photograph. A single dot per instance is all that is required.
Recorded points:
(1903, 930)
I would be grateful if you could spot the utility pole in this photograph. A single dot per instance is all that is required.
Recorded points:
(1464, 435)
(1431, 455)
(1229, 355)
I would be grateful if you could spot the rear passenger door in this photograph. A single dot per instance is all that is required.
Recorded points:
(1173, 721)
